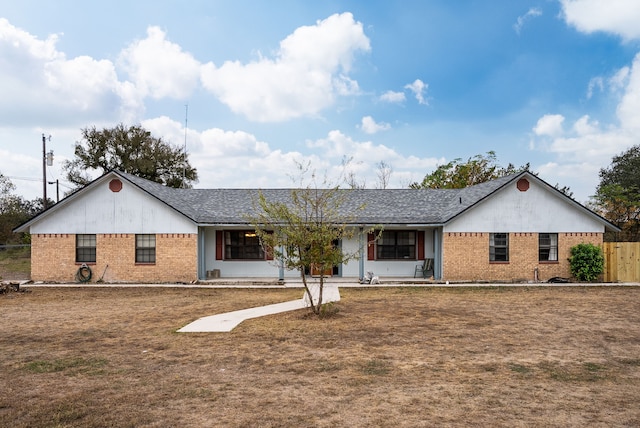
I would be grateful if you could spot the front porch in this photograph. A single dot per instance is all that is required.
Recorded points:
(222, 260)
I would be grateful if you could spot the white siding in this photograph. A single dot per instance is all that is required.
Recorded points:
(352, 246)
(102, 211)
(269, 269)
(537, 210)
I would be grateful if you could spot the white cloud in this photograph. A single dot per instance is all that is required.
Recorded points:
(588, 146)
(38, 82)
(620, 17)
(366, 155)
(595, 83)
(369, 126)
(419, 88)
(629, 107)
(159, 68)
(584, 127)
(238, 159)
(306, 74)
(581, 177)
(83, 81)
(531, 13)
(393, 97)
(620, 79)
(549, 125)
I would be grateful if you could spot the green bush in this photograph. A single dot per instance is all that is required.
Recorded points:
(587, 262)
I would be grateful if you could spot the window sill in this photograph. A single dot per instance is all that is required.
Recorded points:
(498, 262)
(145, 264)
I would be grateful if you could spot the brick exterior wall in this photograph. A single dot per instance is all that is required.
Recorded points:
(466, 257)
(53, 258)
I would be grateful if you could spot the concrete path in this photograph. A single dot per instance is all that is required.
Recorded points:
(228, 321)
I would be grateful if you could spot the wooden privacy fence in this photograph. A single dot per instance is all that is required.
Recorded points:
(621, 261)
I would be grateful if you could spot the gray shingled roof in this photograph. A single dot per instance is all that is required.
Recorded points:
(381, 206)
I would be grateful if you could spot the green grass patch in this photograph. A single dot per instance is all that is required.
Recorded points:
(584, 372)
(91, 366)
(519, 368)
(16, 260)
(376, 367)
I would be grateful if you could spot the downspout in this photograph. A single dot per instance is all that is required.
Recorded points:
(437, 254)
(362, 255)
(281, 265)
(201, 268)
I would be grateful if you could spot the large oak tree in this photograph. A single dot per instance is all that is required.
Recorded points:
(458, 174)
(617, 196)
(129, 149)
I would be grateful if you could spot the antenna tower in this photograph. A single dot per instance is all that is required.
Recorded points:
(184, 164)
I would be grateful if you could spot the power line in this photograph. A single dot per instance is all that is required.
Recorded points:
(23, 178)
(12, 177)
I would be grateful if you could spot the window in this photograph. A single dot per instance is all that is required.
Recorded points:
(145, 248)
(242, 245)
(397, 244)
(499, 247)
(85, 248)
(548, 247)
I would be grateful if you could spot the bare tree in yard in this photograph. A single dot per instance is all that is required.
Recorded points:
(349, 176)
(302, 232)
(384, 174)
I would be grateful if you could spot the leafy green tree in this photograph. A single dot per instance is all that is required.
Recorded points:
(586, 262)
(302, 232)
(6, 186)
(14, 210)
(130, 149)
(457, 174)
(617, 196)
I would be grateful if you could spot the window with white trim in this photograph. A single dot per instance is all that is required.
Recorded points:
(548, 247)
(242, 245)
(396, 245)
(85, 248)
(499, 247)
(146, 248)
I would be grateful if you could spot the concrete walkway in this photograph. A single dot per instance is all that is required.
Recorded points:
(228, 321)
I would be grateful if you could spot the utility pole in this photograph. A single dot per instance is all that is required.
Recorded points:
(47, 159)
(44, 171)
(57, 183)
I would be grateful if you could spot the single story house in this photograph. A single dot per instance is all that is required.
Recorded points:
(128, 229)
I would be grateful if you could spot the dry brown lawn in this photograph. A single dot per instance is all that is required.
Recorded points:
(552, 356)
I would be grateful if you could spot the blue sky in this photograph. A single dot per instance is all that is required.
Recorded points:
(413, 84)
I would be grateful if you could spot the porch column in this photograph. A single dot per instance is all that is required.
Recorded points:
(201, 263)
(437, 254)
(281, 266)
(362, 254)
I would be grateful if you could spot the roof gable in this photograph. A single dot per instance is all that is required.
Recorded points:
(553, 205)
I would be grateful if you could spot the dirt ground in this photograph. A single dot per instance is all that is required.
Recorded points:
(389, 357)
